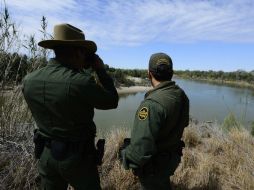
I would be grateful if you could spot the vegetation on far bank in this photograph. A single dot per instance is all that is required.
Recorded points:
(14, 67)
(238, 78)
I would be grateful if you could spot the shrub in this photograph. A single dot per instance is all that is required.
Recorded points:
(252, 128)
(230, 122)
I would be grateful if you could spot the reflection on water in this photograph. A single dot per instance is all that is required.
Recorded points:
(125, 95)
(214, 102)
(123, 116)
(208, 102)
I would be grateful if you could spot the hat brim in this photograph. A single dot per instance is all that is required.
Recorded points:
(51, 44)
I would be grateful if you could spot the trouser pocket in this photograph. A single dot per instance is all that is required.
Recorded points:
(59, 150)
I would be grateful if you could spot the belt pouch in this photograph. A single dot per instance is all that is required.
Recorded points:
(39, 143)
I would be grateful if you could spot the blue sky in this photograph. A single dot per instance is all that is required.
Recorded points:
(197, 34)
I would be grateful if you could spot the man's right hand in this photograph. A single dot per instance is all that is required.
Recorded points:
(122, 158)
(98, 63)
(122, 147)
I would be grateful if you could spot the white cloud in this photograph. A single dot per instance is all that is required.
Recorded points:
(118, 22)
(42, 5)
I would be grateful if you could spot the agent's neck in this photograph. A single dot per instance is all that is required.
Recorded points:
(154, 82)
(69, 62)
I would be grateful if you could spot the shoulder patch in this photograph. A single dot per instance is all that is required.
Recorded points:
(143, 113)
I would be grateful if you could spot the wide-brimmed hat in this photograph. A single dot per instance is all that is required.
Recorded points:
(68, 35)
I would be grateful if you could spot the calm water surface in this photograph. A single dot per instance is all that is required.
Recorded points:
(208, 102)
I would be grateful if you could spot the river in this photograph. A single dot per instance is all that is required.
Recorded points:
(208, 102)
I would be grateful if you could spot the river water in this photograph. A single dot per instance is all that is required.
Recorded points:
(208, 102)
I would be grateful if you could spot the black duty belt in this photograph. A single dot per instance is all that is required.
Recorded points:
(60, 150)
(69, 145)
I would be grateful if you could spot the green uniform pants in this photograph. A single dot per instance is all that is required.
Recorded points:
(157, 176)
(80, 171)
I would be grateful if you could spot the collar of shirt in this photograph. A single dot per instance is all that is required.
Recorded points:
(53, 62)
(160, 86)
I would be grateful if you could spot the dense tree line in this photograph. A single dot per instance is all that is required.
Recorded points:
(120, 76)
(239, 75)
(13, 67)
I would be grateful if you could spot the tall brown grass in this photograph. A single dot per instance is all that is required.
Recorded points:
(212, 159)
(113, 175)
(17, 165)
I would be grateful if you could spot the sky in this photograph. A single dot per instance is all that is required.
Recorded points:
(197, 34)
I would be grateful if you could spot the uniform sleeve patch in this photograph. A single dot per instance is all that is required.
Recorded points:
(143, 113)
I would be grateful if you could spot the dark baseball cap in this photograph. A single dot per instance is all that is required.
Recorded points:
(160, 62)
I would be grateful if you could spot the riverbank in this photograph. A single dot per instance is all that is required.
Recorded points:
(133, 89)
(237, 84)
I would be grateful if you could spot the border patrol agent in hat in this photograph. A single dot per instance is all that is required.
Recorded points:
(155, 147)
(62, 97)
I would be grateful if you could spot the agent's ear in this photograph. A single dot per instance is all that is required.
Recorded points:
(150, 75)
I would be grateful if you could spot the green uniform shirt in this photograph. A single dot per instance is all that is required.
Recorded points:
(62, 100)
(159, 123)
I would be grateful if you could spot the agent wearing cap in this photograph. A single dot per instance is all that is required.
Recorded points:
(62, 97)
(155, 148)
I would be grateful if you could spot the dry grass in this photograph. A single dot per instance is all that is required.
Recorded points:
(17, 165)
(212, 159)
(113, 175)
(217, 160)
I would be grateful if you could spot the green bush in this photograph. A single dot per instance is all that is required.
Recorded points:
(230, 122)
(252, 128)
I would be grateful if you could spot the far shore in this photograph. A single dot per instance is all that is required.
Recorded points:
(120, 90)
(239, 84)
(133, 89)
